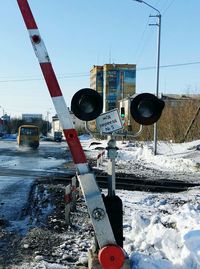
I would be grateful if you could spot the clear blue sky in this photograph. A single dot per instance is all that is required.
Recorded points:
(81, 33)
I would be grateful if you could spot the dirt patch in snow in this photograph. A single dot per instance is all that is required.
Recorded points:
(43, 236)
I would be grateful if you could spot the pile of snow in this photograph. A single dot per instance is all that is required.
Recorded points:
(145, 155)
(162, 231)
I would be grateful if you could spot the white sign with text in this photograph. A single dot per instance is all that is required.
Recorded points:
(109, 122)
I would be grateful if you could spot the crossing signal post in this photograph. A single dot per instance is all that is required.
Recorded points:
(87, 105)
(145, 109)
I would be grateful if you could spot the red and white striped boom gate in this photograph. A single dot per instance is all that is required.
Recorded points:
(110, 252)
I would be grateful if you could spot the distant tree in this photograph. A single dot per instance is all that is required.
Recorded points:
(45, 127)
(12, 126)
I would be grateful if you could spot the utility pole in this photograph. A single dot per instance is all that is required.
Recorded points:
(157, 76)
(158, 15)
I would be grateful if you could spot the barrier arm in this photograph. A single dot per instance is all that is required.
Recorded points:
(92, 194)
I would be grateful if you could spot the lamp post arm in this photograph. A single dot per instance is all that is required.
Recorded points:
(141, 1)
(151, 6)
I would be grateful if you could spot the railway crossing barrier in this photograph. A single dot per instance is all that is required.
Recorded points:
(87, 105)
(86, 177)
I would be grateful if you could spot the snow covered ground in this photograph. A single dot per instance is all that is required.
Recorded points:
(162, 230)
(171, 157)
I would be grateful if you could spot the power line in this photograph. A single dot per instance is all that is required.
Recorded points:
(39, 79)
(164, 5)
(142, 43)
(138, 50)
(168, 66)
(87, 74)
(169, 5)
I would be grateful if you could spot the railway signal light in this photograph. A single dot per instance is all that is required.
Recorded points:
(122, 112)
(146, 108)
(87, 104)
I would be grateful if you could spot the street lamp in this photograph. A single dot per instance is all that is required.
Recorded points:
(158, 15)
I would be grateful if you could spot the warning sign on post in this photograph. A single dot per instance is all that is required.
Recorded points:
(109, 122)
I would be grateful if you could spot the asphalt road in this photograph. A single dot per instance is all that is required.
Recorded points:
(46, 149)
(20, 167)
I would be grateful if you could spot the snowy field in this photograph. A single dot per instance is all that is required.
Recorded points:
(161, 230)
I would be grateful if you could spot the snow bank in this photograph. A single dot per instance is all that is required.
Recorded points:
(165, 234)
(166, 162)
(176, 157)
